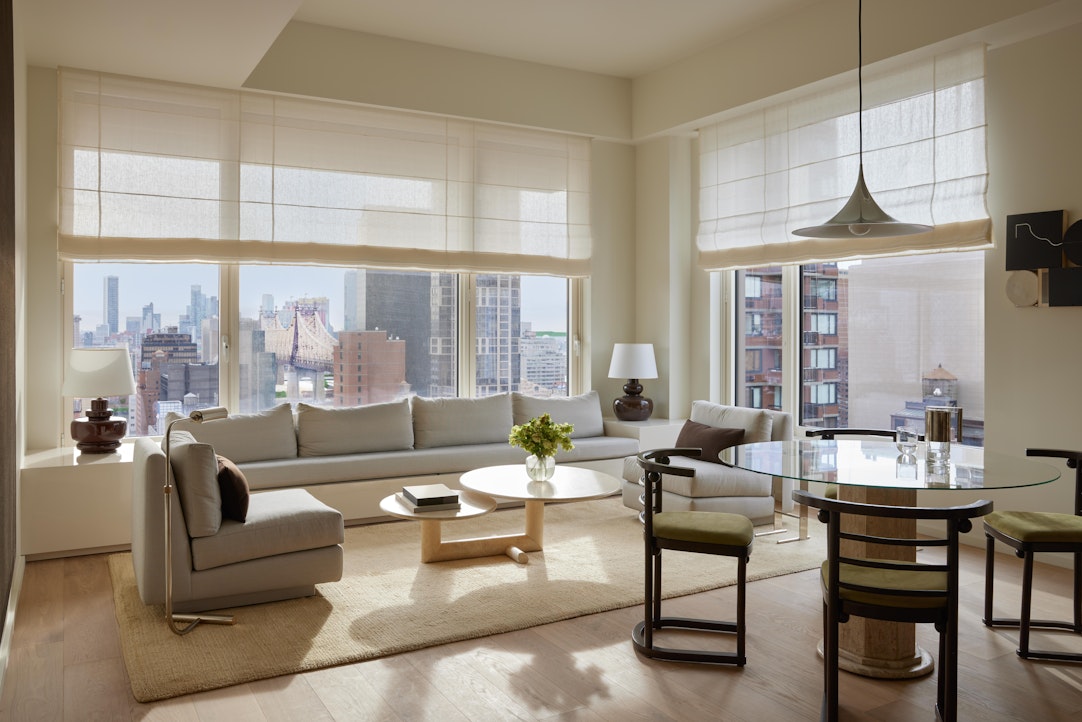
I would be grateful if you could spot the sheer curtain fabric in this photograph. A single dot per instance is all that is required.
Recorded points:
(161, 171)
(793, 163)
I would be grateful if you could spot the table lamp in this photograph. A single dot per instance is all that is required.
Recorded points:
(98, 373)
(633, 361)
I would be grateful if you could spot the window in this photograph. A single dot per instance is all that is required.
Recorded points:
(822, 358)
(823, 393)
(905, 332)
(322, 336)
(825, 324)
(312, 210)
(167, 316)
(759, 338)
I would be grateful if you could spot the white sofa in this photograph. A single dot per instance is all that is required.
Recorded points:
(716, 487)
(350, 458)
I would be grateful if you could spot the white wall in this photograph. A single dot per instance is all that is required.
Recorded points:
(1033, 394)
(330, 63)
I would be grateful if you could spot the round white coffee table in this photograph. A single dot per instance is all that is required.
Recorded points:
(568, 483)
(433, 548)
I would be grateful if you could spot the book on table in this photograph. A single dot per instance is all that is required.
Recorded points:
(430, 494)
(404, 500)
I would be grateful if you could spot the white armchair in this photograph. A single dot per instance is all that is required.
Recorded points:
(716, 487)
(288, 543)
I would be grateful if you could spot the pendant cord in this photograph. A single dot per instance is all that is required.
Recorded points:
(860, 79)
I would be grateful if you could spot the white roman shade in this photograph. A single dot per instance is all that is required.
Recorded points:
(793, 163)
(157, 171)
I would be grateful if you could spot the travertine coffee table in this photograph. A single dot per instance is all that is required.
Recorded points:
(433, 548)
(568, 483)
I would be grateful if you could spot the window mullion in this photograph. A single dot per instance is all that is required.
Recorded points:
(467, 334)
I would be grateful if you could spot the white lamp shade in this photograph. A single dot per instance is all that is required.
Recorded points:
(633, 361)
(99, 372)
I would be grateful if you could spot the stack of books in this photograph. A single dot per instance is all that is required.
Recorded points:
(429, 497)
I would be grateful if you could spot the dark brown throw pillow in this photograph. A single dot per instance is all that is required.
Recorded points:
(710, 439)
(234, 488)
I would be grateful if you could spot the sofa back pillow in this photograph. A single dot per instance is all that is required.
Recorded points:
(757, 423)
(354, 430)
(455, 422)
(583, 411)
(248, 437)
(195, 475)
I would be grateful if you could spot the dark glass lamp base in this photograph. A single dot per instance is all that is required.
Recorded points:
(633, 408)
(99, 436)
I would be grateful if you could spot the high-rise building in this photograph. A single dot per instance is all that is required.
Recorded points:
(399, 302)
(355, 316)
(162, 355)
(258, 368)
(497, 310)
(209, 334)
(151, 321)
(111, 303)
(369, 368)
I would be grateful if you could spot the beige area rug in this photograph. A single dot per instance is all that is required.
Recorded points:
(388, 602)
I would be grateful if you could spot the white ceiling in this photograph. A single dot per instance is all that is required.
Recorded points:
(219, 42)
(625, 38)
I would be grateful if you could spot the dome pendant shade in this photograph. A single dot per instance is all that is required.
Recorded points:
(861, 217)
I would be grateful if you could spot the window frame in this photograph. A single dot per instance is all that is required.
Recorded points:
(229, 328)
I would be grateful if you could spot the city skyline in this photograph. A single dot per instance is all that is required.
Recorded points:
(543, 297)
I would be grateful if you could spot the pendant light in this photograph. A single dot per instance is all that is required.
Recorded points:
(861, 217)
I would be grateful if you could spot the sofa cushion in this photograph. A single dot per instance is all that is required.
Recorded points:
(234, 490)
(248, 437)
(455, 421)
(354, 430)
(757, 423)
(279, 522)
(708, 438)
(418, 462)
(583, 411)
(709, 480)
(195, 472)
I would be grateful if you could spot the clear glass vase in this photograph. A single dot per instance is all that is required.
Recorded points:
(540, 468)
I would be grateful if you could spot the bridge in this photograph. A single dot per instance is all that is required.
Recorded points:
(305, 343)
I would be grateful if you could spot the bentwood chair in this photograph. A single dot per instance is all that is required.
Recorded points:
(1030, 532)
(891, 590)
(705, 532)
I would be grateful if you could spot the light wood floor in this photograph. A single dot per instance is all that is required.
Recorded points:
(66, 665)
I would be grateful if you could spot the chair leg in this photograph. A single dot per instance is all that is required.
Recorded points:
(944, 671)
(989, 574)
(1078, 592)
(830, 664)
(741, 621)
(1027, 604)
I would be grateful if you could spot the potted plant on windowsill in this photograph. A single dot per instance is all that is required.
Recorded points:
(541, 437)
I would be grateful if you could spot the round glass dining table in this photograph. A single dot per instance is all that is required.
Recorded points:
(877, 472)
(880, 464)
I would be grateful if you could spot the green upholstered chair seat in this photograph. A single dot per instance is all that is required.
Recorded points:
(1037, 526)
(708, 527)
(915, 580)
